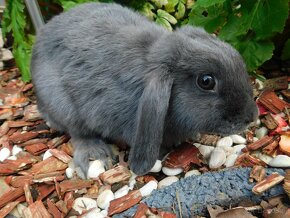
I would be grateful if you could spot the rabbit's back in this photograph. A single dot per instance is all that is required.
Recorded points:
(88, 67)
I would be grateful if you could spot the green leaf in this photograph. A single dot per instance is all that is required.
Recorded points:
(163, 22)
(210, 18)
(170, 6)
(66, 5)
(208, 3)
(286, 51)
(254, 52)
(268, 17)
(160, 3)
(163, 14)
(180, 10)
(147, 10)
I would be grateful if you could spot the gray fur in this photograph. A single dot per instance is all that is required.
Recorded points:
(102, 71)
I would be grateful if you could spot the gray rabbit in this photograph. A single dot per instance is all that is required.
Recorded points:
(102, 71)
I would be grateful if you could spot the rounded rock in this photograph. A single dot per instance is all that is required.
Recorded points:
(280, 161)
(237, 139)
(148, 188)
(157, 167)
(69, 172)
(264, 157)
(225, 141)
(238, 148)
(95, 213)
(96, 168)
(122, 191)
(46, 155)
(4, 154)
(12, 158)
(231, 159)
(16, 150)
(83, 203)
(205, 150)
(191, 173)
(167, 181)
(172, 171)
(105, 198)
(217, 158)
(261, 132)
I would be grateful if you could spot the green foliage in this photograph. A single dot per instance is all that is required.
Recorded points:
(15, 21)
(246, 24)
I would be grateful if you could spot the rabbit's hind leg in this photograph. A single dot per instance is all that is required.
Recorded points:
(88, 149)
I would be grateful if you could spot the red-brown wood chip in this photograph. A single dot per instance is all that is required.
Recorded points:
(10, 196)
(36, 210)
(272, 102)
(121, 204)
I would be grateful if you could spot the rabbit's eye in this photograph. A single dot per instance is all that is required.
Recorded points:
(206, 82)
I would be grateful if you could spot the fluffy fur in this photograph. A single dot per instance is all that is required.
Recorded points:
(102, 71)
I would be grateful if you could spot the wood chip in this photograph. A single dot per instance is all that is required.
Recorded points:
(19, 123)
(258, 173)
(6, 113)
(115, 175)
(279, 83)
(31, 113)
(36, 210)
(206, 139)
(121, 204)
(13, 166)
(272, 102)
(27, 194)
(10, 196)
(61, 155)
(52, 208)
(141, 211)
(49, 177)
(247, 160)
(19, 137)
(267, 183)
(44, 190)
(36, 149)
(4, 128)
(70, 185)
(49, 165)
(269, 149)
(19, 181)
(8, 208)
(269, 122)
(266, 140)
(183, 156)
(58, 141)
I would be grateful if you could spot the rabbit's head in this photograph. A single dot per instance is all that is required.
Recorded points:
(197, 84)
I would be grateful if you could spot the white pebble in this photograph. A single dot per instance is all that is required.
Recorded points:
(225, 141)
(16, 150)
(12, 158)
(192, 172)
(205, 150)
(6, 54)
(255, 139)
(231, 159)
(104, 199)
(217, 158)
(157, 167)
(167, 181)
(228, 150)
(81, 204)
(172, 171)
(259, 84)
(258, 122)
(96, 168)
(148, 188)
(4, 154)
(104, 212)
(197, 144)
(237, 139)
(132, 181)
(122, 191)
(280, 161)
(69, 172)
(95, 213)
(46, 154)
(238, 148)
(261, 132)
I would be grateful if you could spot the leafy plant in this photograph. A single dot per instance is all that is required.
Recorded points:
(15, 21)
(246, 24)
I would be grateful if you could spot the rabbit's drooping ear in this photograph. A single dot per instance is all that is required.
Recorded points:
(152, 110)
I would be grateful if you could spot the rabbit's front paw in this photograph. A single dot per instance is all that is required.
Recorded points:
(87, 150)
